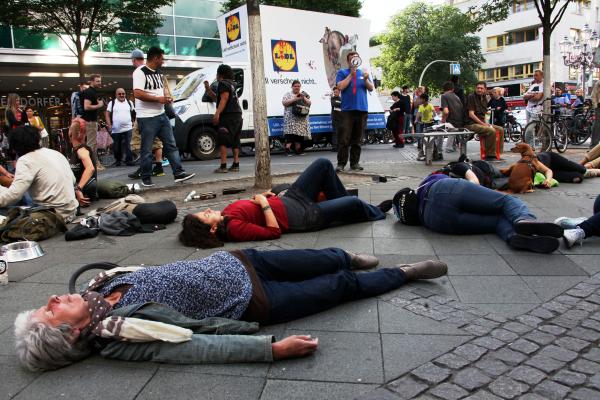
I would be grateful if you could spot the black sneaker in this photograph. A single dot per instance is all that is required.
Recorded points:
(234, 168)
(339, 168)
(533, 227)
(537, 244)
(385, 206)
(147, 182)
(183, 177)
(356, 167)
(221, 170)
(158, 170)
(136, 175)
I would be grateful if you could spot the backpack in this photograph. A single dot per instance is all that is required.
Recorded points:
(131, 111)
(35, 223)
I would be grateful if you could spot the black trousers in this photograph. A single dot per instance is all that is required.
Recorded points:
(350, 133)
(563, 169)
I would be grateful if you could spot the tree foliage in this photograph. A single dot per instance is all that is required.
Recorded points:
(422, 33)
(350, 8)
(79, 22)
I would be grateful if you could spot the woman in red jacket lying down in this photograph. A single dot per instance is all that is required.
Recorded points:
(267, 216)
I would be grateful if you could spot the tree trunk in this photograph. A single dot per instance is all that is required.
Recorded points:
(546, 35)
(262, 153)
(81, 65)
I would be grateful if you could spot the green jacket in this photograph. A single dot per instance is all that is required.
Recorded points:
(215, 340)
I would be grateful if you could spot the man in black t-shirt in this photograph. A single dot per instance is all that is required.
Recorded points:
(228, 119)
(91, 105)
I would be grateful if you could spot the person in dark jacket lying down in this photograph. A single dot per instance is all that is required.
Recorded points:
(202, 311)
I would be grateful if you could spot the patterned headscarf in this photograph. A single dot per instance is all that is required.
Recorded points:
(98, 308)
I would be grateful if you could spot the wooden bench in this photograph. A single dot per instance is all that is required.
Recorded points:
(463, 136)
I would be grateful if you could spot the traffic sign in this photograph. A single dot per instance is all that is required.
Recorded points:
(454, 69)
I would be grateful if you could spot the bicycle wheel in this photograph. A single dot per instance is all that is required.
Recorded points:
(516, 131)
(561, 136)
(538, 136)
(583, 129)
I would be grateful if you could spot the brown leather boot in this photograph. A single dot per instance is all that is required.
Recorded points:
(429, 269)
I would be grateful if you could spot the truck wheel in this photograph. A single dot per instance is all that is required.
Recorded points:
(203, 143)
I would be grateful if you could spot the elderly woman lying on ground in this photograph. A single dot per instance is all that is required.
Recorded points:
(201, 311)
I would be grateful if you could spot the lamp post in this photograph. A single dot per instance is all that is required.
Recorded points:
(581, 54)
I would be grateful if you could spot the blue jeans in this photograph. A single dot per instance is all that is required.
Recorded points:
(591, 226)
(161, 127)
(459, 207)
(298, 283)
(122, 143)
(340, 206)
(407, 122)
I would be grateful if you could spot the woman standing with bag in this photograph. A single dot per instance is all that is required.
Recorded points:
(36, 121)
(295, 118)
(15, 116)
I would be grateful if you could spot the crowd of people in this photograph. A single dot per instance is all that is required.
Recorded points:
(205, 310)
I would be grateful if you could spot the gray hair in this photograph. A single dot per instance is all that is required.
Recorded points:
(41, 347)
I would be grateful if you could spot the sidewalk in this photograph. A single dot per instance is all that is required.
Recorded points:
(502, 324)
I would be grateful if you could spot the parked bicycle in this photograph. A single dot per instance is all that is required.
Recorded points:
(512, 128)
(547, 129)
(581, 128)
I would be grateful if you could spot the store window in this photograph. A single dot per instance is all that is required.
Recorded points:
(198, 8)
(168, 27)
(5, 37)
(126, 42)
(25, 39)
(196, 27)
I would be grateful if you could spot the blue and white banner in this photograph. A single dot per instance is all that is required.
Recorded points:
(322, 123)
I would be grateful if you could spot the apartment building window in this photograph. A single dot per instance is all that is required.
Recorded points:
(495, 42)
(523, 5)
(581, 6)
(573, 73)
(526, 35)
(575, 35)
(510, 72)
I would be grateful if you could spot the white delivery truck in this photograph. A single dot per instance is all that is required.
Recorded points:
(303, 45)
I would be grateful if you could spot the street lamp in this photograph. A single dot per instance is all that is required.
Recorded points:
(581, 53)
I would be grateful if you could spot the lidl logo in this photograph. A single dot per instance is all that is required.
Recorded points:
(232, 25)
(283, 53)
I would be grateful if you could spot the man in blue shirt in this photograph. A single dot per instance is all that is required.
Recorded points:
(354, 83)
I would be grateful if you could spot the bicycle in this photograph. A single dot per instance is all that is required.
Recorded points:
(581, 129)
(512, 129)
(58, 142)
(551, 128)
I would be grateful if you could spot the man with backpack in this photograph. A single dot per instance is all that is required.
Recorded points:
(120, 115)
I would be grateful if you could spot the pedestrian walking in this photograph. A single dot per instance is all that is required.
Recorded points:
(354, 84)
(295, 118)
(120, 115)
(398, 111)
(150, 97)
(228, 119)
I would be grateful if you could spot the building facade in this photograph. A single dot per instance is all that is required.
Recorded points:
(513, 48)
(42, 70)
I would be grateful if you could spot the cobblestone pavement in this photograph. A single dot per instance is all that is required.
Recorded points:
(503, 324)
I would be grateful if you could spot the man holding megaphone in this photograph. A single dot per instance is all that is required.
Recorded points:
(353, 83)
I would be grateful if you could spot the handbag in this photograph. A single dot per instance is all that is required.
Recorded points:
(300, 110)
(35, 223)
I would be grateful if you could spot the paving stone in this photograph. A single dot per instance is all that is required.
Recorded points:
(508, 388)
(532, 396)
(545, 364)
(542, 313)
(565, 322)
(572, 343)
(524, 346)
(527, 374)
(486, 322)
(508, 356)
(491, 366)
(569, 378)
(488, 343)
(593, 354)
(482, 395)
(377, 394)
(552, 329)
(588, 306)
(585, 394)
(558, 353)
(448, 391)
(595, 298)
(407, 387)
(470, 379)
(555, 306)
(529, 320)
(517, 327)
(540, 337)
(300, 390)
(504, 335)
(496, 318)
(492, 289)
(576, 314)
(591, 324)
(585, 366)
(584, 334)
(565, 299)
(431, 373)
(470, 352)
(594, 382)
(477, 330)
(451, 361)
(552, 390)
(580, 292)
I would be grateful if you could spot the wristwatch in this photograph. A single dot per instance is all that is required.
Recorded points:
(265, 208)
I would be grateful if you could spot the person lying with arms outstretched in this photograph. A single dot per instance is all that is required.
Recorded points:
(203, 311)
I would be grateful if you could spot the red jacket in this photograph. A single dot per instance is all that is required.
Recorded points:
(247, 220)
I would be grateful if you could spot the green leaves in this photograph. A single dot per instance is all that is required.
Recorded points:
(342, 7)
(423, 33)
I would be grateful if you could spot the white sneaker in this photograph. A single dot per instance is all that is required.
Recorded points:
(569, 223)
(573, 236)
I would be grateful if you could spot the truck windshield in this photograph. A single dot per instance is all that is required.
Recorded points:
(188, 85)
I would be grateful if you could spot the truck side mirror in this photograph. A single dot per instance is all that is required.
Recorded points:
(245, 104)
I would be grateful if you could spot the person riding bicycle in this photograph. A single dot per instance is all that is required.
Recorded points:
(498, 106)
